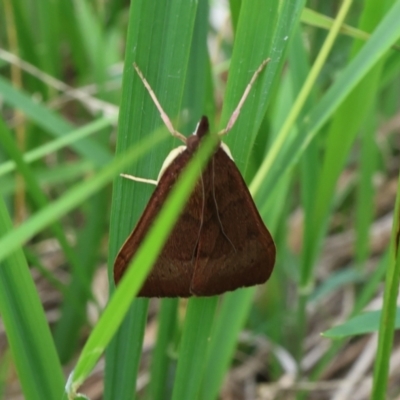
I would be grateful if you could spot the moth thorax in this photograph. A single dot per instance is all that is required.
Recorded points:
(192, 142)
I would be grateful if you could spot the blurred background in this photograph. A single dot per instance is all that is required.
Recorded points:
(317, 141)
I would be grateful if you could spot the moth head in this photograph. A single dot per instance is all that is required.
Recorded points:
(192, 142)
(201, 130)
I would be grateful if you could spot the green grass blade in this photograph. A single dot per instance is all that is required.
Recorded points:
(139, 267)
(365, 193)
(388, 318)
(332, 179)
(28, 333)
(366, 322)
(198, 99)
(283, 135)
(27, 45)
(223, 340)
(383, 37)
(63, 174)
(253, 28)
(71, 199)
(60, 143)
(338, 147)
(314, 18)
(48, 36)
(161, 363)
(39, 198)
(192, 358)
(52, 122)
(154, 29)
(67, 333)
(347, 119)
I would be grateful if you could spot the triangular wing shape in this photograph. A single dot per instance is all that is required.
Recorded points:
(235, 248)
(219, 242)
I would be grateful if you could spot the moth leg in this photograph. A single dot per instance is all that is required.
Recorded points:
(236, 113)
(163, 114)
(136, 179)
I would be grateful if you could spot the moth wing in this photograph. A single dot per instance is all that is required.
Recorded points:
(238, 250)
(172, 273)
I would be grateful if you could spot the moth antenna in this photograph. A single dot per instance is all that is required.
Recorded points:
(136, 179)
(163, 114)
(238, 108)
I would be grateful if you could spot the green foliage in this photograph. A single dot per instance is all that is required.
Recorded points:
(364, 323)
(310, 120)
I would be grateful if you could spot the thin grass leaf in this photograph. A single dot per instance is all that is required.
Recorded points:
(28, 333)
(198, 101)
(48, 36)
(389, 317)
(52, 122)
(27, 45)
(171, 47)
(198, 325)
(347, 119)
(383, 37)
(67, 333)
(39, 198)
(58, 144)
(139, 267)
(154, 29)
(368, 290)
(161, 363)
(59, 175)
(223, 340)
(367, 322)
(96, 46)
(245, 60)
(365, 192)
(89, 239)
(314, 18)
(72, 198)
(283, 136)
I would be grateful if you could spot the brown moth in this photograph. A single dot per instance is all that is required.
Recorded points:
(219, 242)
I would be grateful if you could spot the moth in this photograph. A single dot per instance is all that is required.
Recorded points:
(219, 242)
